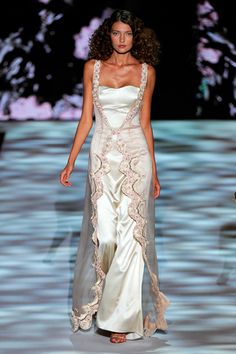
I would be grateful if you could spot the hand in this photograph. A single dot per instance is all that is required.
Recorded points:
(65, 175)
(156, 187)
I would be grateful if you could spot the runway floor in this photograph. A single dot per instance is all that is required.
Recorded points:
(40, 222)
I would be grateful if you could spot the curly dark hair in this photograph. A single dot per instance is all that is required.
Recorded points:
(146, 47)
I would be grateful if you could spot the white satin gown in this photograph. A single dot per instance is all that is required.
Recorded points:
(116, 273)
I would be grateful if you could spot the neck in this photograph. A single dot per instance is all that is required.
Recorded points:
(120, 59)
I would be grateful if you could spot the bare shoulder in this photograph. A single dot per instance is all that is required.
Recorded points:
(151, 76)
(88, 70)
(89, 65)
(151, 71)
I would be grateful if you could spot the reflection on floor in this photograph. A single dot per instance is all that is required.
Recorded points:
(195, 227)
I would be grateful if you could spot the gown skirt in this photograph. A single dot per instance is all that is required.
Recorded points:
(116, 281)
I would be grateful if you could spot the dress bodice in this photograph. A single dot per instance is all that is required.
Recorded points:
(116, 103)
(117, 108)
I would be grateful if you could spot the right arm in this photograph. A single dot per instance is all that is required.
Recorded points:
(84, 125)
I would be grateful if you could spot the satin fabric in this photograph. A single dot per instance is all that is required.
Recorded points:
(120, 309)
(116, 273)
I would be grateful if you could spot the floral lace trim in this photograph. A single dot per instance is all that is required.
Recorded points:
(127, 168)
(149, 326)
(84, 320)
(134, 212)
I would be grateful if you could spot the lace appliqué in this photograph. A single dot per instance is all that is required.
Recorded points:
(137, 200)
(84, 320)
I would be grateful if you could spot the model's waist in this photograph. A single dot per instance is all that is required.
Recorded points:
(118, 130)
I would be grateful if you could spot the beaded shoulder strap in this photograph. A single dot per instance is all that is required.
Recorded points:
(143, 79)
(96, 74)
(142, 85)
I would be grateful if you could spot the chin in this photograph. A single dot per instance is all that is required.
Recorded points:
(122, 51)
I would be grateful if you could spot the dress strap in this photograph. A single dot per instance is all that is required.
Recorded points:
(143, 83)
(96, 74)
(143, 78)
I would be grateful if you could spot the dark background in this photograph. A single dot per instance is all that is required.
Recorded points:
(173, 21)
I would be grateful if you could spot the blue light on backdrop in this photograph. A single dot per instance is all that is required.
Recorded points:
(40, 222)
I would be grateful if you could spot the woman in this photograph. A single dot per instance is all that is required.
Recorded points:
(116, 276)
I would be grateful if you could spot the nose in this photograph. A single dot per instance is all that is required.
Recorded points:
(122, 37)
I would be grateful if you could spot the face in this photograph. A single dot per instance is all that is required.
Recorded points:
(121, 37)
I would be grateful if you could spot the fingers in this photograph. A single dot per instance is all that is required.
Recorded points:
(64, 179)
(66, 183)
(156, 191)
(156, 194)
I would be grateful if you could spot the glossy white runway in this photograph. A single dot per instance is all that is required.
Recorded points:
(196, 239)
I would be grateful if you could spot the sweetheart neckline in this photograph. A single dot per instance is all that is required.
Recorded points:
(117, 88)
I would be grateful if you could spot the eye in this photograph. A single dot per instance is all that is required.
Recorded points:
(115, 33)
(129, 34)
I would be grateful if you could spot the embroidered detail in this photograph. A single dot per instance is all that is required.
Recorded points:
(128, 189)
(84, 320)
(151, 326)
(134, 210)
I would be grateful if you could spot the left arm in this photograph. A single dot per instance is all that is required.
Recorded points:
(145, 121)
